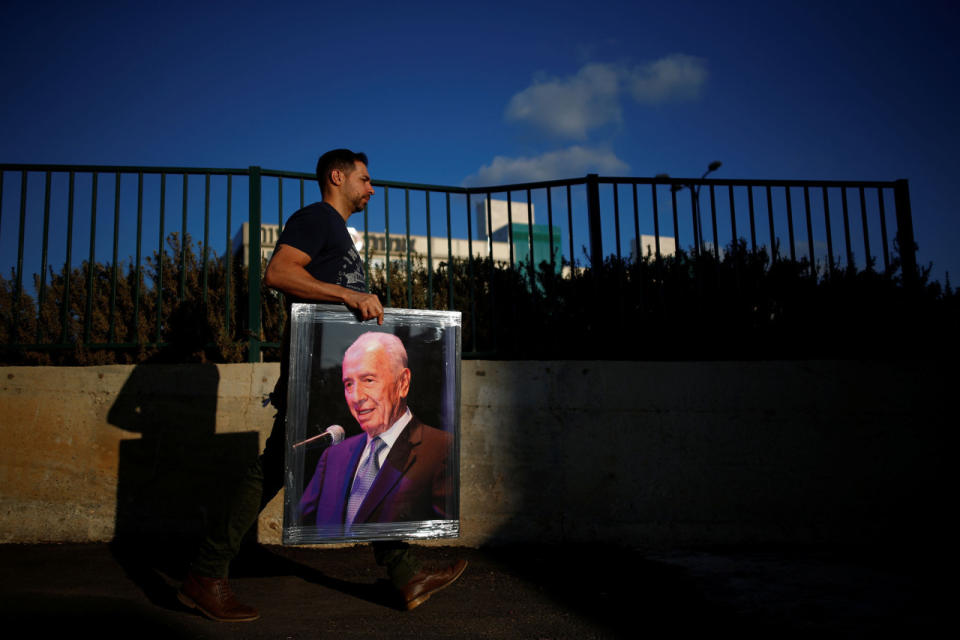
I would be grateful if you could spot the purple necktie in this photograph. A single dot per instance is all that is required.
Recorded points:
(365, 477)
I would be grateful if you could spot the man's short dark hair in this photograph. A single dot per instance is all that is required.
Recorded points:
(339, 159)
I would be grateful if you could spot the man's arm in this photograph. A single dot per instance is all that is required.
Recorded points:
(286, 272)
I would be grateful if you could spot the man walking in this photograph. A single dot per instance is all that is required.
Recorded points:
(315, 261)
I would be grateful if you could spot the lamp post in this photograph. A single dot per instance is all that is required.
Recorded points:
(695, 193)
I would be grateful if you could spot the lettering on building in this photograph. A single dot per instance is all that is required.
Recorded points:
(269, 234)
(378, 243)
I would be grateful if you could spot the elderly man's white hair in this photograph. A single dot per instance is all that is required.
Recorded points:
(391, 344)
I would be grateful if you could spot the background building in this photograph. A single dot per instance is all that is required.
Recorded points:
(668, 246)
(376, 246)
(496, 243)
(520, 220)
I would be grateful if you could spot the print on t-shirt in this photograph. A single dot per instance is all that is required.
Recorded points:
(351, 271)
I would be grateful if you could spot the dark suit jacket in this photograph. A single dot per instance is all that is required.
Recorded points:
(413, 484)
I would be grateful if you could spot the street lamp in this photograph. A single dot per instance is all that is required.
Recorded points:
(695, 192)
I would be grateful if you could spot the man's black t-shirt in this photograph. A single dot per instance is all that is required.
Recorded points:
(319, 231)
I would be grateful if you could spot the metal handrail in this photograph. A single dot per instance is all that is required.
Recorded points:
(604, 208)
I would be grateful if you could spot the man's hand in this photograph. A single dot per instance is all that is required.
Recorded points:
(367, 305)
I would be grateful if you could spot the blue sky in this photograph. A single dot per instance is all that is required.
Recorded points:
(499, 92)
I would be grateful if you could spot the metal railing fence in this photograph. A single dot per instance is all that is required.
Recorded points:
(826, 225)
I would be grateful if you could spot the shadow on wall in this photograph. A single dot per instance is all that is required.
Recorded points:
(171, 479)
(523, 434)
(626, 456)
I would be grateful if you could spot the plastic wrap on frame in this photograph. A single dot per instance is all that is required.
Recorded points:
(337, 328)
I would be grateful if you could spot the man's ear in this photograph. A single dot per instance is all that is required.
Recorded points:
(336, 177)
(403, 383)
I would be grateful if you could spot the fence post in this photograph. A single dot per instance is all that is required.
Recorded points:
(593, 218)
(905, 240)
(253, 270)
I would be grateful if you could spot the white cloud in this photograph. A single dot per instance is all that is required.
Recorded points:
(571, 162)
(570, 107)
(675, 77)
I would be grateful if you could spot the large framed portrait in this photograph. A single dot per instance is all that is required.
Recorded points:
(373, 426)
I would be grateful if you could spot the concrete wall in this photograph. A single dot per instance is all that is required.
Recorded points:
(649, 454)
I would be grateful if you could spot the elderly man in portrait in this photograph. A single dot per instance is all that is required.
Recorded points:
(396, 470)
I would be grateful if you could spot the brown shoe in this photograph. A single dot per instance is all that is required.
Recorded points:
(215, 599)
(425, 584)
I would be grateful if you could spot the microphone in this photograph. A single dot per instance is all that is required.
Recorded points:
(334, 434)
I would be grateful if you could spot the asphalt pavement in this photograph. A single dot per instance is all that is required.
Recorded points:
(540, 592)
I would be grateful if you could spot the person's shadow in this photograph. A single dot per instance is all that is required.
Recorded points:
(177, 474)
(172, 478)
